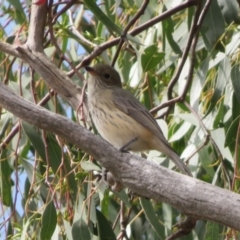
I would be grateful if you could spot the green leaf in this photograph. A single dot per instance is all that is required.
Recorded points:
(69, 34)
(123, 197)
(19, 12)
(80, 230)
(235, 76)
(102, 17)
(229, 10)
(55, 160)
(35, 139)
(151, 57)
(104, 229)
(33, 219)
(213, 25)
(5, 179)
(4, 123)
(89, 166)
(206, 161)
(235, 108)
(231, 132)
(181, 132)
(212, 231)
(49, 221)
(198, 83)
(219, 116)
(102, 186)
(54, 154)
(152, 218)
(91, 204)
(224, 70)
(219, 135)
(168, 27)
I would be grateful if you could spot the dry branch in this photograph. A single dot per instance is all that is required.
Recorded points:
(191, 196)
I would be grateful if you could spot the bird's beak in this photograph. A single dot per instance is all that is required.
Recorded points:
(90, 70)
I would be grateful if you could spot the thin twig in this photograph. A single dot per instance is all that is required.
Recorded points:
(184, 228)
(98, 50)
(191, 45)
(16, 176)
(64, 9)
(20, 78)
(126, 29)
(54, 41)
(165, 15)
(123, 233)
(32, 86)
(193, 33)
(198, 149)
(219, 154)
(76, 32)
(116, 220)
(81, 105)
(45, 142)
(236, 172)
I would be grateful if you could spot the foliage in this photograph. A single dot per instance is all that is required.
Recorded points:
(48, 188)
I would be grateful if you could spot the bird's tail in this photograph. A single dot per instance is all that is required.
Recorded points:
(179, 163)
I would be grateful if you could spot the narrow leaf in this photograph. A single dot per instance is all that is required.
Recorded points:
(5, 179)
(235, 76)
(80, 230)
(151, 57)
(102, 17)
(212, 231)
(104, 229)
(152, 218)
(49, 221)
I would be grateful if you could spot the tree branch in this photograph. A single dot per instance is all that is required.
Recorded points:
(99, 49)
(54, 77)
(195, 198)
(128, 26)
(9, 49)
(36, 27)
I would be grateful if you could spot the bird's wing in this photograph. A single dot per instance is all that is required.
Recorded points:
(127, 103)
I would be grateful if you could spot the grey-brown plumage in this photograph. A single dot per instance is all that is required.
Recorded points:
(121, 119)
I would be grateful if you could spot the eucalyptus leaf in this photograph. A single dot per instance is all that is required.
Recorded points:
(152, 218)
(80, 230)
(235, 76)
(49, 221)
(151, 58)
(212, 231)
(213, 25)
(5, 180)
(89, 166)
(104, 229)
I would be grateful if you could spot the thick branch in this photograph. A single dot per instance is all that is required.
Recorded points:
(54, 77)
(191, 196)
(36, 27)
(9, 49)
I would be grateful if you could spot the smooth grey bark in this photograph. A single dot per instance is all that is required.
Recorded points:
(191, 196)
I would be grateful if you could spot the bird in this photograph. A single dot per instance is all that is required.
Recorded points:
(121, 119)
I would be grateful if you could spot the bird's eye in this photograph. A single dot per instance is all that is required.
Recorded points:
(107, 75)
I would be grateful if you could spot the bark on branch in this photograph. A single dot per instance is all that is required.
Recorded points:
(191, 196)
